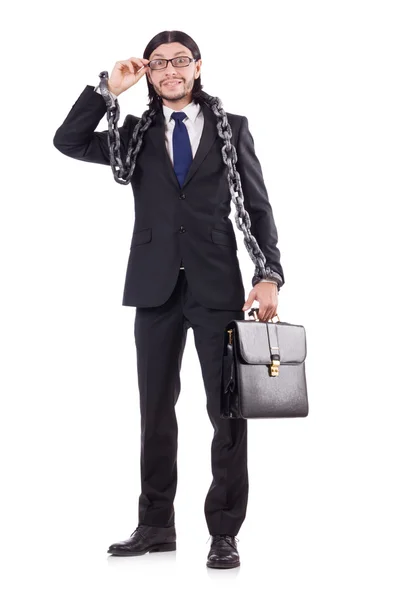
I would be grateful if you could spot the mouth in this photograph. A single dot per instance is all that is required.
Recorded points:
(172, 83)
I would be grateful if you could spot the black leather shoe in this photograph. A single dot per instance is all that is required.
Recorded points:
(146, 538)
(223, 553)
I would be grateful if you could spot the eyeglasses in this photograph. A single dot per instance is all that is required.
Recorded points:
(177, 61)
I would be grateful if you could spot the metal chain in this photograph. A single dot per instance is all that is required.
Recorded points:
(242, 217)
(123, 173)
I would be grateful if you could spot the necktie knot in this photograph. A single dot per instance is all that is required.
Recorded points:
(178, 116)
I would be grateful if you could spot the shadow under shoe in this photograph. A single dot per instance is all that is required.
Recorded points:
(146, 538)
(223, 553)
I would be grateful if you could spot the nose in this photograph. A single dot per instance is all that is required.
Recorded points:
(170, 70)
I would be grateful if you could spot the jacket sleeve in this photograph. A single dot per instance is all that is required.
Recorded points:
(77, 138)
(256, 203)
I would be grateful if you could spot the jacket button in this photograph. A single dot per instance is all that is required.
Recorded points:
(182, 196)
(182, 229)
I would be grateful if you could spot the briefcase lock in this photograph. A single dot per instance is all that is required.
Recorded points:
(274, 368)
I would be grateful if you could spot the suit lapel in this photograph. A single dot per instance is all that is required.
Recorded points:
(208, 137)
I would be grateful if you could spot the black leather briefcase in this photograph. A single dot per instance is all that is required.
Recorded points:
(263, 370)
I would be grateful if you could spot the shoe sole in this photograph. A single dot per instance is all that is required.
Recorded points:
(222, 566)
(156, 548)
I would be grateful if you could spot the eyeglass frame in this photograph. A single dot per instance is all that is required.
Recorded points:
(170, 60)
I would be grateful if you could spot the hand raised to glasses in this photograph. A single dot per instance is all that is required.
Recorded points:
(127, 73)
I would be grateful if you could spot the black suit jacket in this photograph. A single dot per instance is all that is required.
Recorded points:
(191, 223)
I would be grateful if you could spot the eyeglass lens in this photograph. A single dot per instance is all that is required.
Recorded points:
(161, 63)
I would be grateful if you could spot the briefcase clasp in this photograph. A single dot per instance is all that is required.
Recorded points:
(274, 368)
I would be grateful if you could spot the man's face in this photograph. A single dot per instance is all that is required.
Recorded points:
(173, 83)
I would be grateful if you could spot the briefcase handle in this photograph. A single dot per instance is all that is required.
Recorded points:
(254, 313)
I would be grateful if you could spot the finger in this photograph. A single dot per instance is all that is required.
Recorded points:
(270, 312)
(143, 62)
(139, 66)
(144, 69)
(126, 63)
(261, 311)
(134, 63)
(250, 299)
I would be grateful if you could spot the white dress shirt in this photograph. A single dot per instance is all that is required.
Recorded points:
(194, 122)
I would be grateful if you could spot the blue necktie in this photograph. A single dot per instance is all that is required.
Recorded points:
(182, 149)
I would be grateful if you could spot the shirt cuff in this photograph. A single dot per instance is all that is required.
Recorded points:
(270, 280)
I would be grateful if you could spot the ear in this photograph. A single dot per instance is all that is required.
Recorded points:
(198, 68)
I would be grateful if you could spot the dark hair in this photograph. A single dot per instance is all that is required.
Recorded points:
(167, 37)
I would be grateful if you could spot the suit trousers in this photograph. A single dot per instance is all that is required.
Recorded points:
(160, 336)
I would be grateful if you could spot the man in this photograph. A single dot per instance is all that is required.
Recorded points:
(182, 272)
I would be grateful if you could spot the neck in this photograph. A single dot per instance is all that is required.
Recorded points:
(178, 104)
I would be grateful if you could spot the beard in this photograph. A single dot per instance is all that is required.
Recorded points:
(173, 95)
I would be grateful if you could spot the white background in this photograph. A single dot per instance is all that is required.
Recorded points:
(317, 81)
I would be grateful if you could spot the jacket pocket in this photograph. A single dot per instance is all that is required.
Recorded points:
(224, 238)
(141, 237)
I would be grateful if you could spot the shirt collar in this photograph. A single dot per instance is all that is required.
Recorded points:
(192, 110)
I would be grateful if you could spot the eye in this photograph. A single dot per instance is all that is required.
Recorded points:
(182, 60)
